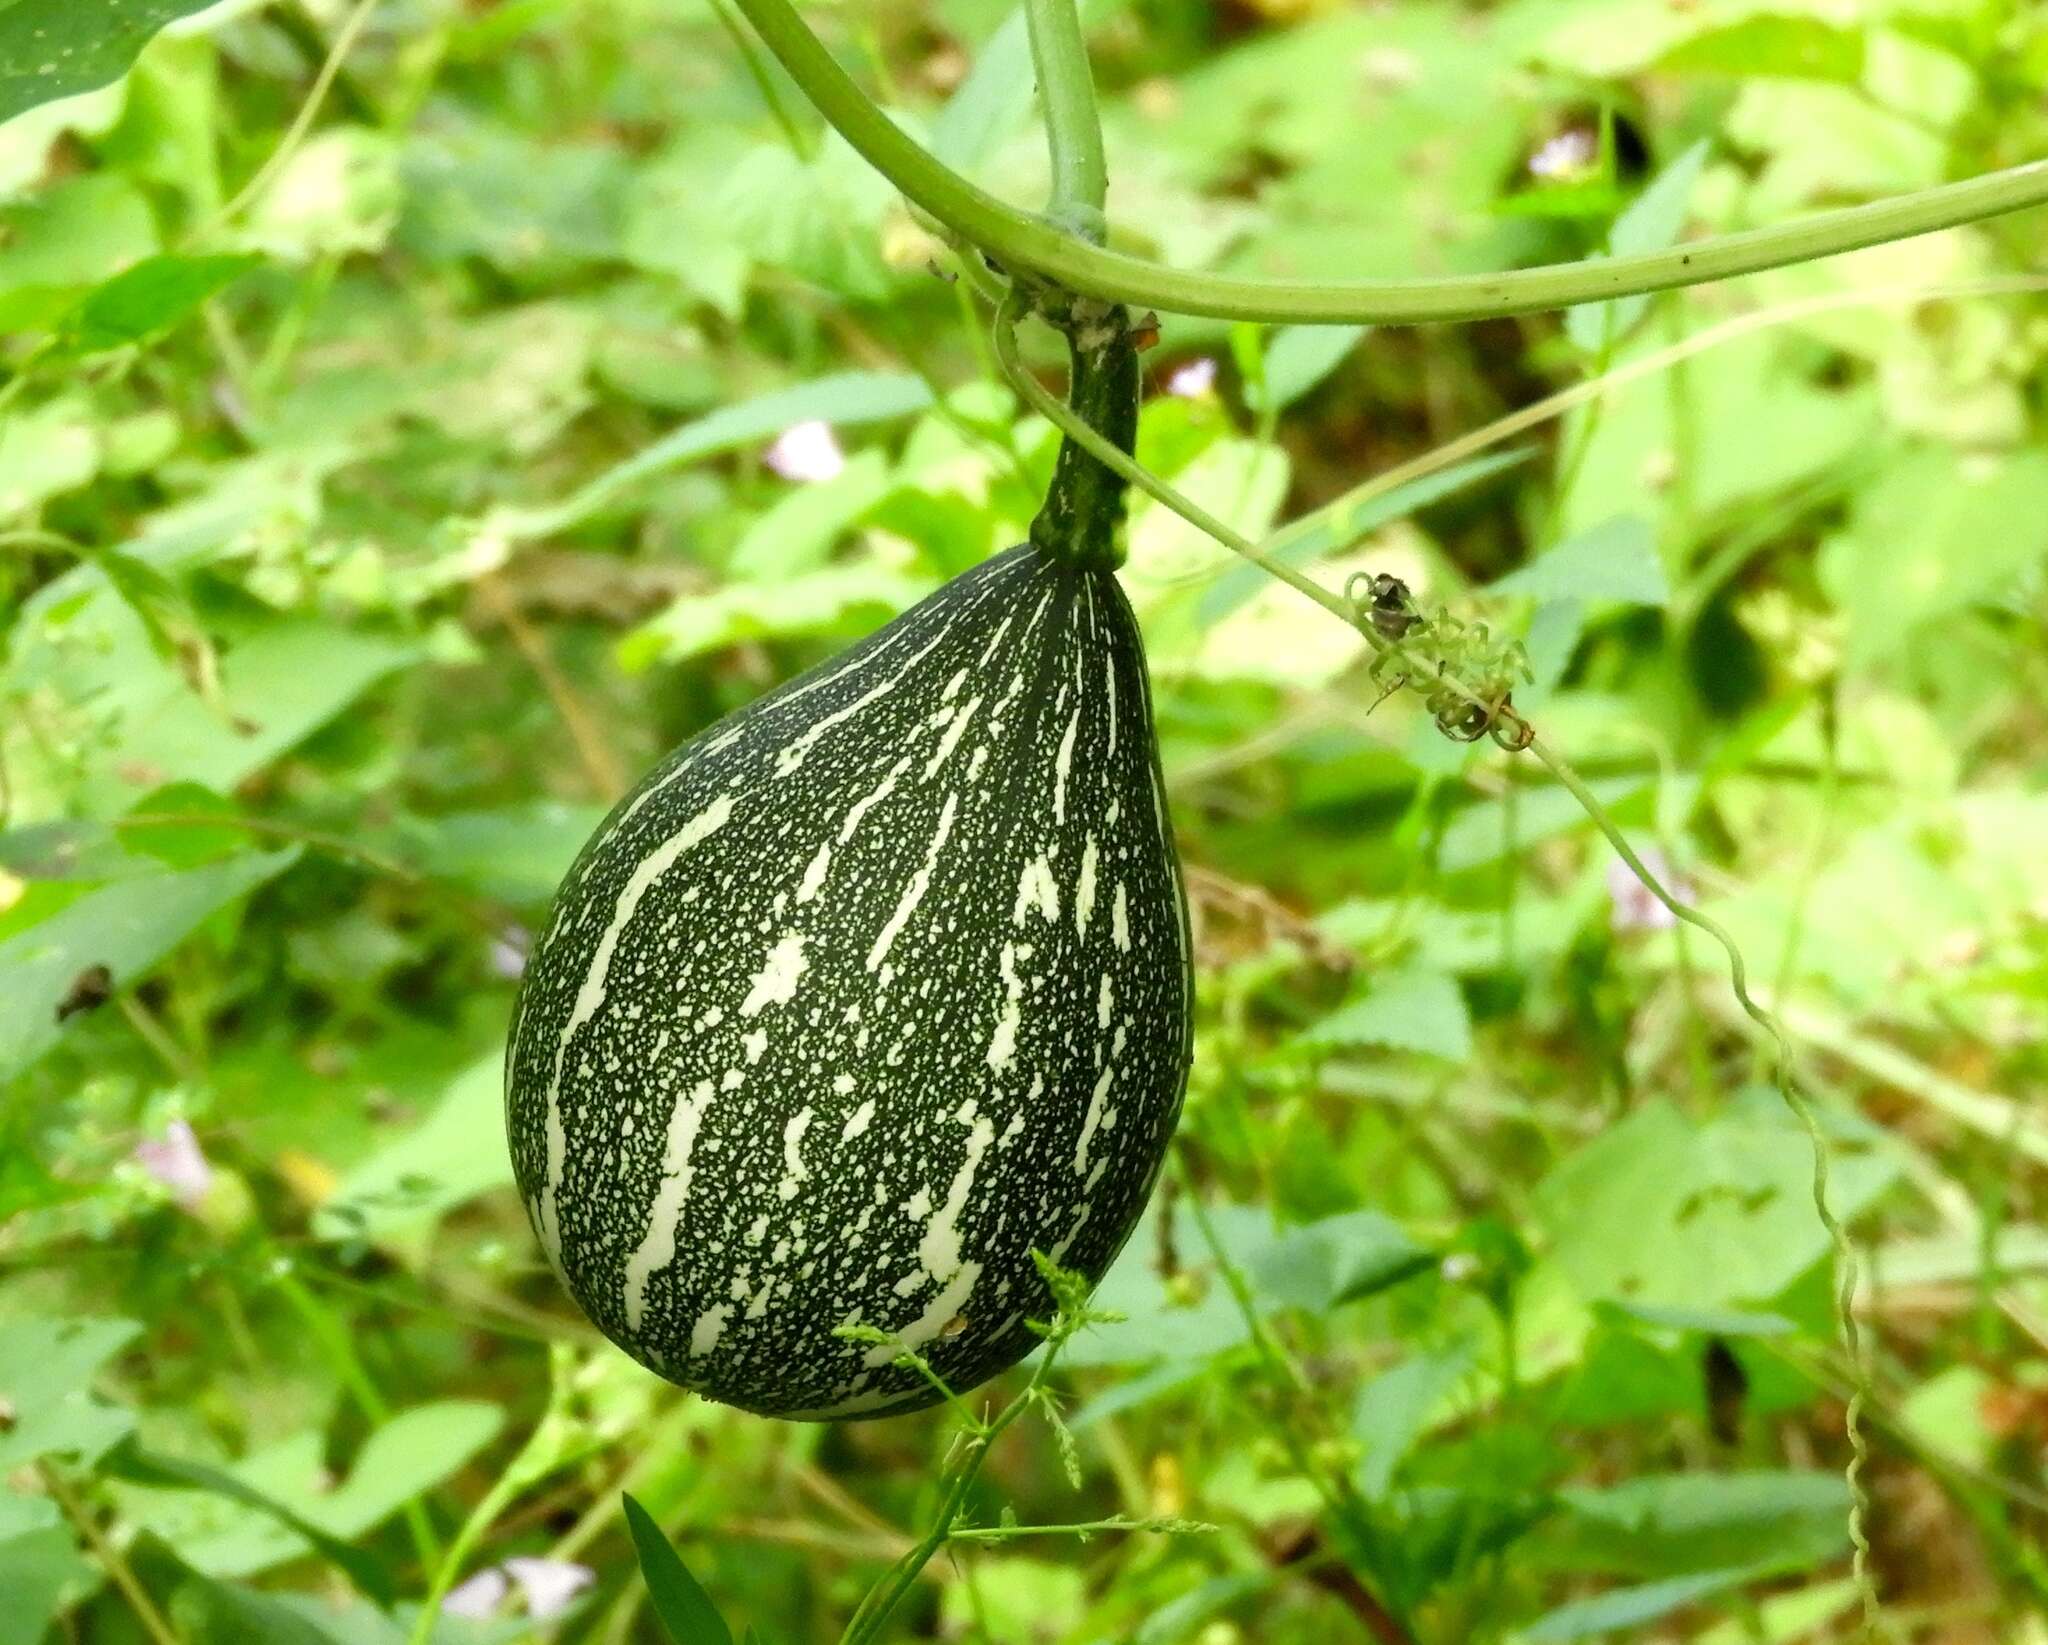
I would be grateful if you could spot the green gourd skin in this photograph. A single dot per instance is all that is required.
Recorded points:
(864, 994)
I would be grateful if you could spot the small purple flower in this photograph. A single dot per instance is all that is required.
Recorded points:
(1635, 907)
(177, 1162)
(1565, 155)
(1192, 380)
(806, 452)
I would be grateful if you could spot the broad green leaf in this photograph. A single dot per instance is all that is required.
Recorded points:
(339, 193)
(126, 926)
(831, 598)
(1181, 1619)
(845, 399)
(47, 1367)
(144, 300)
(686, 1610)
(138, 1466)
(795, 535)
(1396, 1407)
(1660, 1209)
(72, 235)
(40, 1571)
(1615, 560)
(1629, 1607)
(397, 1196)
(1651, 223)
(1409, 1010)
(1342, 523)
(272, 1505)
(1335, 1260)
(58, 48)
(1718, 1322)
(1298, 358)
(1934, 533)
(184, 825)
(1484, 833)
(516, 854)
(989, 105)
(1668, 1524)
(46, 451)
(1795, 47)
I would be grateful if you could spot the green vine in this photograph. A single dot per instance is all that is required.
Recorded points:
(1041, 246)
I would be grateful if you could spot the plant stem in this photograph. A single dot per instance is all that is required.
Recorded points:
(1838, 1237)
(1129, 469)
(1025, 242)
(117, 1568)
(1073, 130)
(874, 1610)
(309, 111)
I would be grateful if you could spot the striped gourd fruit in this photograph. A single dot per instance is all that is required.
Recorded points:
(862, 995)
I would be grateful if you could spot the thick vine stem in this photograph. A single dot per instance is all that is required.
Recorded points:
(1021, 241)
(1073, 131)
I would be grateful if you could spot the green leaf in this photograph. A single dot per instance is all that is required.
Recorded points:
(1660, 1209)
(1788, 47)
(1664, 1524)
(1718, 1322)
(1396, 1407)
(130, 1461)
(1409, 1010)
(1298, 358)
(143, 301)
(126, 926)
(1935, 533)
(188, 837)
(58, 48)
(1181, 1619)
(1479, 834)
(516, 854)
(47, 1367)
(40, 1570)
(1651, 223)
(1318, 1265)
(829, 599)
(1341, 524)
(685, 1609)
(845, 399)
(1629, 1607)
(1615, 560)
(396, 1197)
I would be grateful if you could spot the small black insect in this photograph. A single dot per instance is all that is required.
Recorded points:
(1726, 1386)
(89, 990)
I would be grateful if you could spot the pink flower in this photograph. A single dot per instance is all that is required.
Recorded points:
(806, 452)
(176, 1161)
(1192, 380)
(1635, 908)
(1565, 155)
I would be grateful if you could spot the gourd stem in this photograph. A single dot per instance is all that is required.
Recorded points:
(1026, 243)
(1073, 130)
(1083, 512)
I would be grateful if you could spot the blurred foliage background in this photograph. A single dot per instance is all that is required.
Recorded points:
(386, 478)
